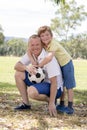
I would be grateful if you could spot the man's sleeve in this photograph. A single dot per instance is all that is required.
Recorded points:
(25, 59)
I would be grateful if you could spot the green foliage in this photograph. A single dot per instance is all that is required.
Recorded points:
(58, 1)
(1, 38)
(1, 28)
(78, 46)
(68, 17)
(15, 47)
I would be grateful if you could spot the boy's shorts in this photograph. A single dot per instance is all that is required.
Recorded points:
(68, 75)
(42, 88)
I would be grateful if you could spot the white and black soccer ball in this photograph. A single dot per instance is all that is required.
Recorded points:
(38, 77)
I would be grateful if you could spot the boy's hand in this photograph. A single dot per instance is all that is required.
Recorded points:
(34, 63)
(31, 69)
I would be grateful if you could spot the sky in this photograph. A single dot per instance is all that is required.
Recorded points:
(22, 18)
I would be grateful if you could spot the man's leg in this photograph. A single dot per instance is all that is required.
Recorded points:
(19, 77)
(33, 93)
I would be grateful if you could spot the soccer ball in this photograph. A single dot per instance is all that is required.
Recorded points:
(38, 77)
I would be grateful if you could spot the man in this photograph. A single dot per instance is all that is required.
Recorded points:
(50, 89)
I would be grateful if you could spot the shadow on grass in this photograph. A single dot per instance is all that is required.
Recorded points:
(80, 96)
(9, 98)
(38, 117)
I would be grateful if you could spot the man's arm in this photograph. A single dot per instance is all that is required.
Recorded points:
(21, 67)
(53, 92)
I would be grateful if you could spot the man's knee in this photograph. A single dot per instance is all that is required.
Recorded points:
(19, 75)
(32, 92)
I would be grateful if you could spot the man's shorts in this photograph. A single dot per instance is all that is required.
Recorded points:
(42, 88)
(68, 75)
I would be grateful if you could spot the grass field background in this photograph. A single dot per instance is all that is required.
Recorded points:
(38, 119)
(7, 71)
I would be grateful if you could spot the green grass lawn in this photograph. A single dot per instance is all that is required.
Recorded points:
(38, 118)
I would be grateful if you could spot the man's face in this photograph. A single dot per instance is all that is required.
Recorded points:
(35, 46)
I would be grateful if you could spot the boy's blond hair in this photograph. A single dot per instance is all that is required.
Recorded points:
(43, 29)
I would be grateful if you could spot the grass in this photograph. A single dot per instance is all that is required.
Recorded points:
(38, 118)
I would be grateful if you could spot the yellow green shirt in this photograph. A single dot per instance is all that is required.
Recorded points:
(61, 54)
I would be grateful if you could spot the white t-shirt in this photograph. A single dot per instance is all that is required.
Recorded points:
(52, 68)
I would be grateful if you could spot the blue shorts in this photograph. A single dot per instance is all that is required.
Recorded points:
(68, 75)
(42, 88)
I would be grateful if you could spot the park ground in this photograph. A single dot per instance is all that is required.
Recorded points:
(38, 117)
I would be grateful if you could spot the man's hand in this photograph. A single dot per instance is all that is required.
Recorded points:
(52, 109)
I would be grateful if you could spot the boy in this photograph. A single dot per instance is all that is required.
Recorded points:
(65, 61)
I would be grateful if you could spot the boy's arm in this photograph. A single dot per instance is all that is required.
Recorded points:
(47, 59)
(31, 58)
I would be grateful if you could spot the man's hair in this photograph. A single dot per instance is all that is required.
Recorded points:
(34, 36)
(43, 29)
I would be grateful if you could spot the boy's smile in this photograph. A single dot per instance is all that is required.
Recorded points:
(46, 38)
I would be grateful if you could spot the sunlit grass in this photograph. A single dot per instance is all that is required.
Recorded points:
(7, 71)
(81, 74)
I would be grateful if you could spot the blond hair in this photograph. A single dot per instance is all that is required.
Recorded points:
(43, 29)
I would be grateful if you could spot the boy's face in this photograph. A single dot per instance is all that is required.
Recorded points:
(46, 38)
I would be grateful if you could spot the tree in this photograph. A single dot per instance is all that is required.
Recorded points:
(13, 47)
(1, 28)
(16, 47)
(68, 17)
(58, 1)
(78, 46)
(1, 38)
(1, 35)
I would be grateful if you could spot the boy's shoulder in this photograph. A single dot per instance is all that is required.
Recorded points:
(54, 42)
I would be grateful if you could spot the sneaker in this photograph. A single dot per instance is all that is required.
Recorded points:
(60, 108)
(69, 110)
(23, 107)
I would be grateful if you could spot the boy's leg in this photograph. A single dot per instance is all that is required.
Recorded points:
(69, 82)
(61, 105)
(70, 97)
